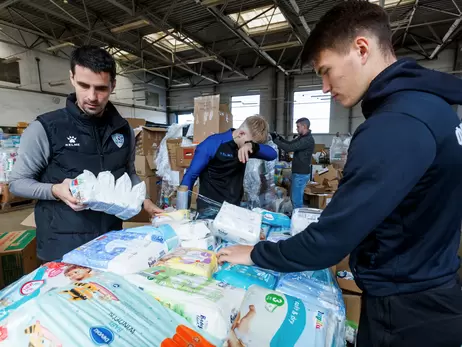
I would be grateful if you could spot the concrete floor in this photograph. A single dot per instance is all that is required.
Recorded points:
(11, 221)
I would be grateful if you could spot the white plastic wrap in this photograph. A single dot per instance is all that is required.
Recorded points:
(302, 217)
(175, 131)
(339, 150)
(237, 224)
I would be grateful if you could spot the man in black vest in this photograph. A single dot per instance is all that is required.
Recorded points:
(87, 134)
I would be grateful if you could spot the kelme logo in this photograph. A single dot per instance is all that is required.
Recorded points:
(101, 336)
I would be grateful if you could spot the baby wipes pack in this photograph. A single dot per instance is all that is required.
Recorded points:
(205, 303)
(243, 276)
(302, 217)
(125, 251)
(237, 224)
(196, 234)
(273, 218)
(47, 277)
(271, 319)
(104, 310)
(192, 260)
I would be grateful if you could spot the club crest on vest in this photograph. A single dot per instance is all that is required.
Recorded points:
(118, 140)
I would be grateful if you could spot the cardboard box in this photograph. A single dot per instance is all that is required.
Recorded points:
(210, 117)
(172, 147)
(184, 156)
(319, 201)
(347, 285)
(145, 165)
(136, 122)
(352, 307)
(153, 187)
(328, 173)
(148, 140)
(18, 255)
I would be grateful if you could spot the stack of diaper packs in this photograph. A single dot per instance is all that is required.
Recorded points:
(162, 285)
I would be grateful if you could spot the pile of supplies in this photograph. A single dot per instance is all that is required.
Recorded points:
(162, 285)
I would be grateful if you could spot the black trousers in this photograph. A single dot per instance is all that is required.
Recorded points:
(432, 318)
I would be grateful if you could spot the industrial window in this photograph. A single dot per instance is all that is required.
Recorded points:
(120, 54)
(9, 72)
(243, 107)
(152, 99)
(166, 41)
(314, 105)
(390, 3)
(261, 20)
(185, 118)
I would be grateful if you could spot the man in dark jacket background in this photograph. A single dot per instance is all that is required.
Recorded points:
(397, 209)
(303, 147)
(88, 134)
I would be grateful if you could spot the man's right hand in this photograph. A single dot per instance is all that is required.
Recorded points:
(62, 192)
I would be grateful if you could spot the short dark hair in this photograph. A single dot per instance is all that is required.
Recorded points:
(340, 25)
(94, 58)
(304, 121)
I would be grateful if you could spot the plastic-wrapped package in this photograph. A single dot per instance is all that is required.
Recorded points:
(101, 310)
(125, 251)
(7, 161)
(196, 235)
(191, 260)
(273, 218)
(237, 224)
(318, 288)
(243, 276)
(207, 304)
(339, 150)
(302, 217)
(268, 318)
(284, 206)
(45, 278)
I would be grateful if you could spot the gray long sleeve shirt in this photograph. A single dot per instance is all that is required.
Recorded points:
(303, 147)
(33, 158)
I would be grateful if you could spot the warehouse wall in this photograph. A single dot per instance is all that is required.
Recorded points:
(24, 102)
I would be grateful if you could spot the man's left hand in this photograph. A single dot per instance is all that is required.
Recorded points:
(236, 255)
(244, 153)
(151, 208)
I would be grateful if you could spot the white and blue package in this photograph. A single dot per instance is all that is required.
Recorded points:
(273, 218)
(318, 288)
(125, 251)
(243, 276)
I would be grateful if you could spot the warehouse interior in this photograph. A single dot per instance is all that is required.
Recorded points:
(170, 52)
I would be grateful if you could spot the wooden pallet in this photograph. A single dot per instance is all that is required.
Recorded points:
(16, 205)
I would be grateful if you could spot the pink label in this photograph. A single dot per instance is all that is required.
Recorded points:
(54, 272)
(29, 287)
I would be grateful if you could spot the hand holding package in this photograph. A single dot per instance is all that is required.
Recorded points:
(104, 194)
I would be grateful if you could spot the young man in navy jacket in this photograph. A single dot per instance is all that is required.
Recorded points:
(219, 161)
(397, 209)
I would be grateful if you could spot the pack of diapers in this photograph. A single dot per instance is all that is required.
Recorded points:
(196, 234)
(125, 251)
(47, 277)
(196, 261)
(302, 217)
(105, 194)
(273, 218)
(243, 276)
(104, 310)
(207, 304)
(237, 224)
(271, 319)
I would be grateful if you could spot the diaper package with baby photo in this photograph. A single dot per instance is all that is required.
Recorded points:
(237, 224)
(302, 217)
(104, 310)
(125, 251)
(273, 219)
(207, 304)
(243, 276)
(105, 194)
(271, 319)
(45, 278)
(196, 261)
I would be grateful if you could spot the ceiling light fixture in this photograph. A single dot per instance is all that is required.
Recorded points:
(61, 45)
(131, 26)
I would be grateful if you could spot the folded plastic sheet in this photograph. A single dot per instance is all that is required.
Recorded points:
(272, 319)
(125, 251)
(207, 304)
(104, 310)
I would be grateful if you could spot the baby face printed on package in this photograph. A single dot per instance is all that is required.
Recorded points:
(78, 273)
(192, 260)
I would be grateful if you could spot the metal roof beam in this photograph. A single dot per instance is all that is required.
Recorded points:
(8, 3)
(122, 7)
(446, 37)
(300, 17)
(411, 17)
(228, 23)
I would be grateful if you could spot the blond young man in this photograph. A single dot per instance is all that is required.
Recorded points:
(219, 161)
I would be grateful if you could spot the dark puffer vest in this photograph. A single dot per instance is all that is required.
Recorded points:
(77, 143)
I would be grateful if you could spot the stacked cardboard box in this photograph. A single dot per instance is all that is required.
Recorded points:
(325, 182)
(210, 117)
(147, 142)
